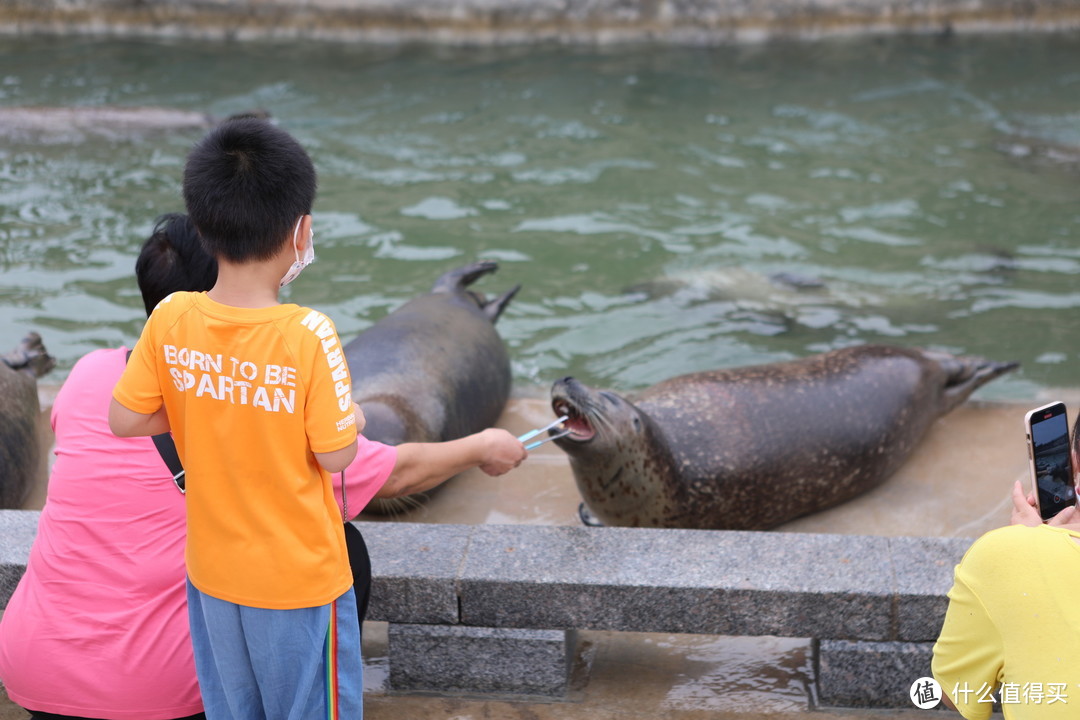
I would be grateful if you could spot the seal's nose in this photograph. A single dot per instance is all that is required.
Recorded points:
(567, 387)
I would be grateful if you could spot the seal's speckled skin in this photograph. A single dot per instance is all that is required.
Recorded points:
(21, 451)
(435, 369)
(750, 448)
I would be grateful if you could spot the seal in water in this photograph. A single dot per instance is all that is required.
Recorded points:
(76, 123)
(21, 454)
(435, 369)
(750, 448)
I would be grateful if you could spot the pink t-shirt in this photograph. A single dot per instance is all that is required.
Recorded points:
(97, 626)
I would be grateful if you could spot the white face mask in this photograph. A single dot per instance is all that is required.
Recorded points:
(309, 256)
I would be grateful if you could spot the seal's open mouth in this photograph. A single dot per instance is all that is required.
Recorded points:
(581, 430)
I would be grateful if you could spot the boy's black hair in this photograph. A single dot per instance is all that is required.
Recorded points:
(173, 259)
(245, 186)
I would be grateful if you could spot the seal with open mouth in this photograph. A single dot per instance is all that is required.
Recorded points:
(750, 448)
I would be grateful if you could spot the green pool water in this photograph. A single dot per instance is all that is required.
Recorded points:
(666, 210)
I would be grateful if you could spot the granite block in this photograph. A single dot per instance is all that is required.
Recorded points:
(870, 674)
(644, 580)
(923, 573)
(414, 569)
(17, 531)
(474, 660)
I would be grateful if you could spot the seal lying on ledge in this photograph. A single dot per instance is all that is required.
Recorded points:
(21, 452)
(435, 369)
(750, 448)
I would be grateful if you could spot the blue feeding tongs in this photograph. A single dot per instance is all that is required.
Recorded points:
(533, 433)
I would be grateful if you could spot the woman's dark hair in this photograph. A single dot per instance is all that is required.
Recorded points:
(173, 259)
(245, 186)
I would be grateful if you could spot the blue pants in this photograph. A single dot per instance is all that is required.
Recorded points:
(258, 664)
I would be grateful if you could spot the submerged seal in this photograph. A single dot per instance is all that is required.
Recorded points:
(750, 448)
(435, 369)
(21, 452)
(76, 123)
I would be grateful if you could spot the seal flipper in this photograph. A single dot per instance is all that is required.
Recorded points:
(587, 517)
(456, 280)
(493, 308)
(966, 374)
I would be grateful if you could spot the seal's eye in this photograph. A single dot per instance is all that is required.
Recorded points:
(610, 397)
(637, 424)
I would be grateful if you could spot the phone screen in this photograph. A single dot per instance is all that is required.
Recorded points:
(1051, 460)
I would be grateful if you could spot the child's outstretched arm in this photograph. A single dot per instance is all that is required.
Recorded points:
(128, 423)
(422, 466)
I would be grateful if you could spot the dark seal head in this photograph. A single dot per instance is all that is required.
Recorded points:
(435, 369)
(619, 456)
(753, 447)
(22, 455)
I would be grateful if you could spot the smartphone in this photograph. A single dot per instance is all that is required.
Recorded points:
(1050, 459)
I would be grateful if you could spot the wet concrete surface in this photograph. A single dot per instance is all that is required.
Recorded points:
(639, 676)
(628, 676)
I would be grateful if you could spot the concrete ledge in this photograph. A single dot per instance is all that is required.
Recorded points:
(723, 583)
(920, 606)
(684, 581)
(523, 21)
(416, 568)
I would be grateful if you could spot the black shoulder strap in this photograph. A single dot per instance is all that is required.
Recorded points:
(167, 450)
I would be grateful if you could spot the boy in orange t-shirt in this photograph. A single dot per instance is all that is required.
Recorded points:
(257, 396)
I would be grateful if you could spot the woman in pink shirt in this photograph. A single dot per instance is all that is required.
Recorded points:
(98, 626)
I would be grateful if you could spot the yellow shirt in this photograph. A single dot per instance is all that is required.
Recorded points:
(250, 395)
(1014, 623)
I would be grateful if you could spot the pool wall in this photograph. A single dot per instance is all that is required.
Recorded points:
(523, 21)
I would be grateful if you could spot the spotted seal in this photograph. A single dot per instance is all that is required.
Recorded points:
(753, 447)
(435, 369)
(22, 457)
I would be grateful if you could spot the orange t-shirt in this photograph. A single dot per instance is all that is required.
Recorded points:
(251, 394)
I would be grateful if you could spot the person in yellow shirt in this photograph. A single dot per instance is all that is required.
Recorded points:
(257, 395)
(1013, 622)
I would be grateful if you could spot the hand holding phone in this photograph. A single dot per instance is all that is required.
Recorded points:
(1050, 459)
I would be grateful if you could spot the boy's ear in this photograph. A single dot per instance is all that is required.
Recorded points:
(303, 234)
